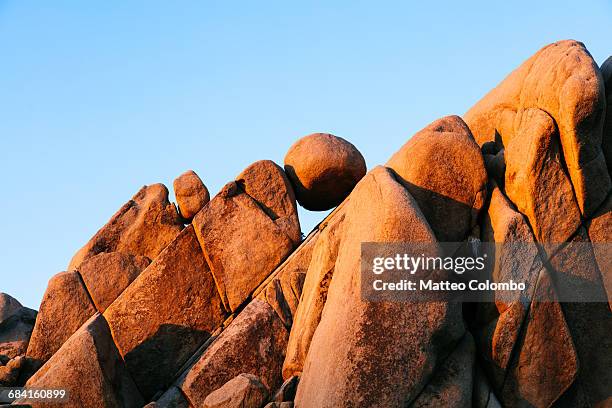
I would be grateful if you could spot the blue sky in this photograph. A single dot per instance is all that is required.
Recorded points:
(101, 97)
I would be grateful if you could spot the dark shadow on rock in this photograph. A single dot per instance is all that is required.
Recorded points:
(155, 362)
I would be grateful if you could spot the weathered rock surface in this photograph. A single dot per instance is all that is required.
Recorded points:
(536, 181)
(66, 305)
(160, 320)
(8, 306)
(546, 362)
(600, 234)
(16, 325)
(314, 293)
(266, 183)
(242, 391)
(253, 343)
(355, 357)
(9, 373)
(283, 288)
(443, 169)
(242, 244)
(143, 226)
(106, 275)
(606, 144)
(90, 369)
(191, 194)
(452, 383)
(324, 169)
(563, 80)
(587, 316)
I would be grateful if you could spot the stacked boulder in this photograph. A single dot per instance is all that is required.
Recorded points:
(222, 303)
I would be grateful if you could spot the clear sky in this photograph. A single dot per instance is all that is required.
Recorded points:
(101, 97)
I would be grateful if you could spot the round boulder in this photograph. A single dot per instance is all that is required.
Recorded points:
(323, 169)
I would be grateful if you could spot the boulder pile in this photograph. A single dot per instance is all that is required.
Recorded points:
(223, 302)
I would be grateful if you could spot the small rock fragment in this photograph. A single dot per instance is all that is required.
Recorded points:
(243, 391)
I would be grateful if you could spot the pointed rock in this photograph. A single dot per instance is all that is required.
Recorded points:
(266, 183)
(161, 319)
(143, 226)
(90, 369)
(65, 306)
(563, 80)
(443, 169)
(355, 357)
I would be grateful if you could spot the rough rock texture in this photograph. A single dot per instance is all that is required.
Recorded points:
(8, 306)
(242, 391)
(266, 183)
(16, 325)
(106, 275)
(600, 233)
(451, 385)
(516, 257)
(191, 194)
(323, 169)
(253, 343)
(314, 293)
(535, 179)
(546, 363)
(355, 357)
(283, 288)
(143, 226)
(160, 320)
(563, 80)
(89, 367)
(606, 145)
(242, 244)
(66, 305)
(9, 373)
(588, 318)
(443, 169)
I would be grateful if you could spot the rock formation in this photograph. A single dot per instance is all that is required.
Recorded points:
(237, 309)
